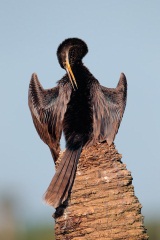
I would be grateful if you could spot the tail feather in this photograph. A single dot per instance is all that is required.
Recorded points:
(60, 173)
(63, 179)
(71, 178)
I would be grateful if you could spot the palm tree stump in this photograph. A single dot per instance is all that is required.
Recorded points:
(102, 204)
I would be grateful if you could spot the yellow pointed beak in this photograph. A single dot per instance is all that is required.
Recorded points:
(70, 73)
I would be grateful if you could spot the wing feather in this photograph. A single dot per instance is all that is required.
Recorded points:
(108, 108)
(47, 109)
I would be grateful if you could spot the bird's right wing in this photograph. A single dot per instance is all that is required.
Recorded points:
(108, 108)
(47, 109)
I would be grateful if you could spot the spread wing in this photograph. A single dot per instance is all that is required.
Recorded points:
(108, 108)
(47, 109)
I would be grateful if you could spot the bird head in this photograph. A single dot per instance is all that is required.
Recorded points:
(70, 52)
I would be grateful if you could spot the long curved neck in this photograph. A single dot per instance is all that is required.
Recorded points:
(82, 74)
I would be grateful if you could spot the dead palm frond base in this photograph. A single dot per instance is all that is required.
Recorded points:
(102, 204)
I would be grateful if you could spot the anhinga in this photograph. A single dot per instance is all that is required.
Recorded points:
(79, 106)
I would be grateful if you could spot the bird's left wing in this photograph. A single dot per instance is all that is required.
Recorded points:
(47, 109)
(108, 108)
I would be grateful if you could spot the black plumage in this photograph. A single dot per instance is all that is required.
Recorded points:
(80, 107)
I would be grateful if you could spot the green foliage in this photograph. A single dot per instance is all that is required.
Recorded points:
(153, 230)
(37, 233)
(44, 232)
(40, 233)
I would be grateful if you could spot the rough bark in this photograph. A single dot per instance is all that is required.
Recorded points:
(102, 204)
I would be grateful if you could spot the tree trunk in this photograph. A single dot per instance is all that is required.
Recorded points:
(102, 204)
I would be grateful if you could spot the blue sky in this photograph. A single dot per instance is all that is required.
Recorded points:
(122, 36)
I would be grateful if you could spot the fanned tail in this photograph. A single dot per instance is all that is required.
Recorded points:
(63, 179)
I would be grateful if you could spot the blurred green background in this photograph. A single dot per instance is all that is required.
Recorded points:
(14, 228)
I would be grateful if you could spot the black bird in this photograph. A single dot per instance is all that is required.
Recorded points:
(80, 107)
